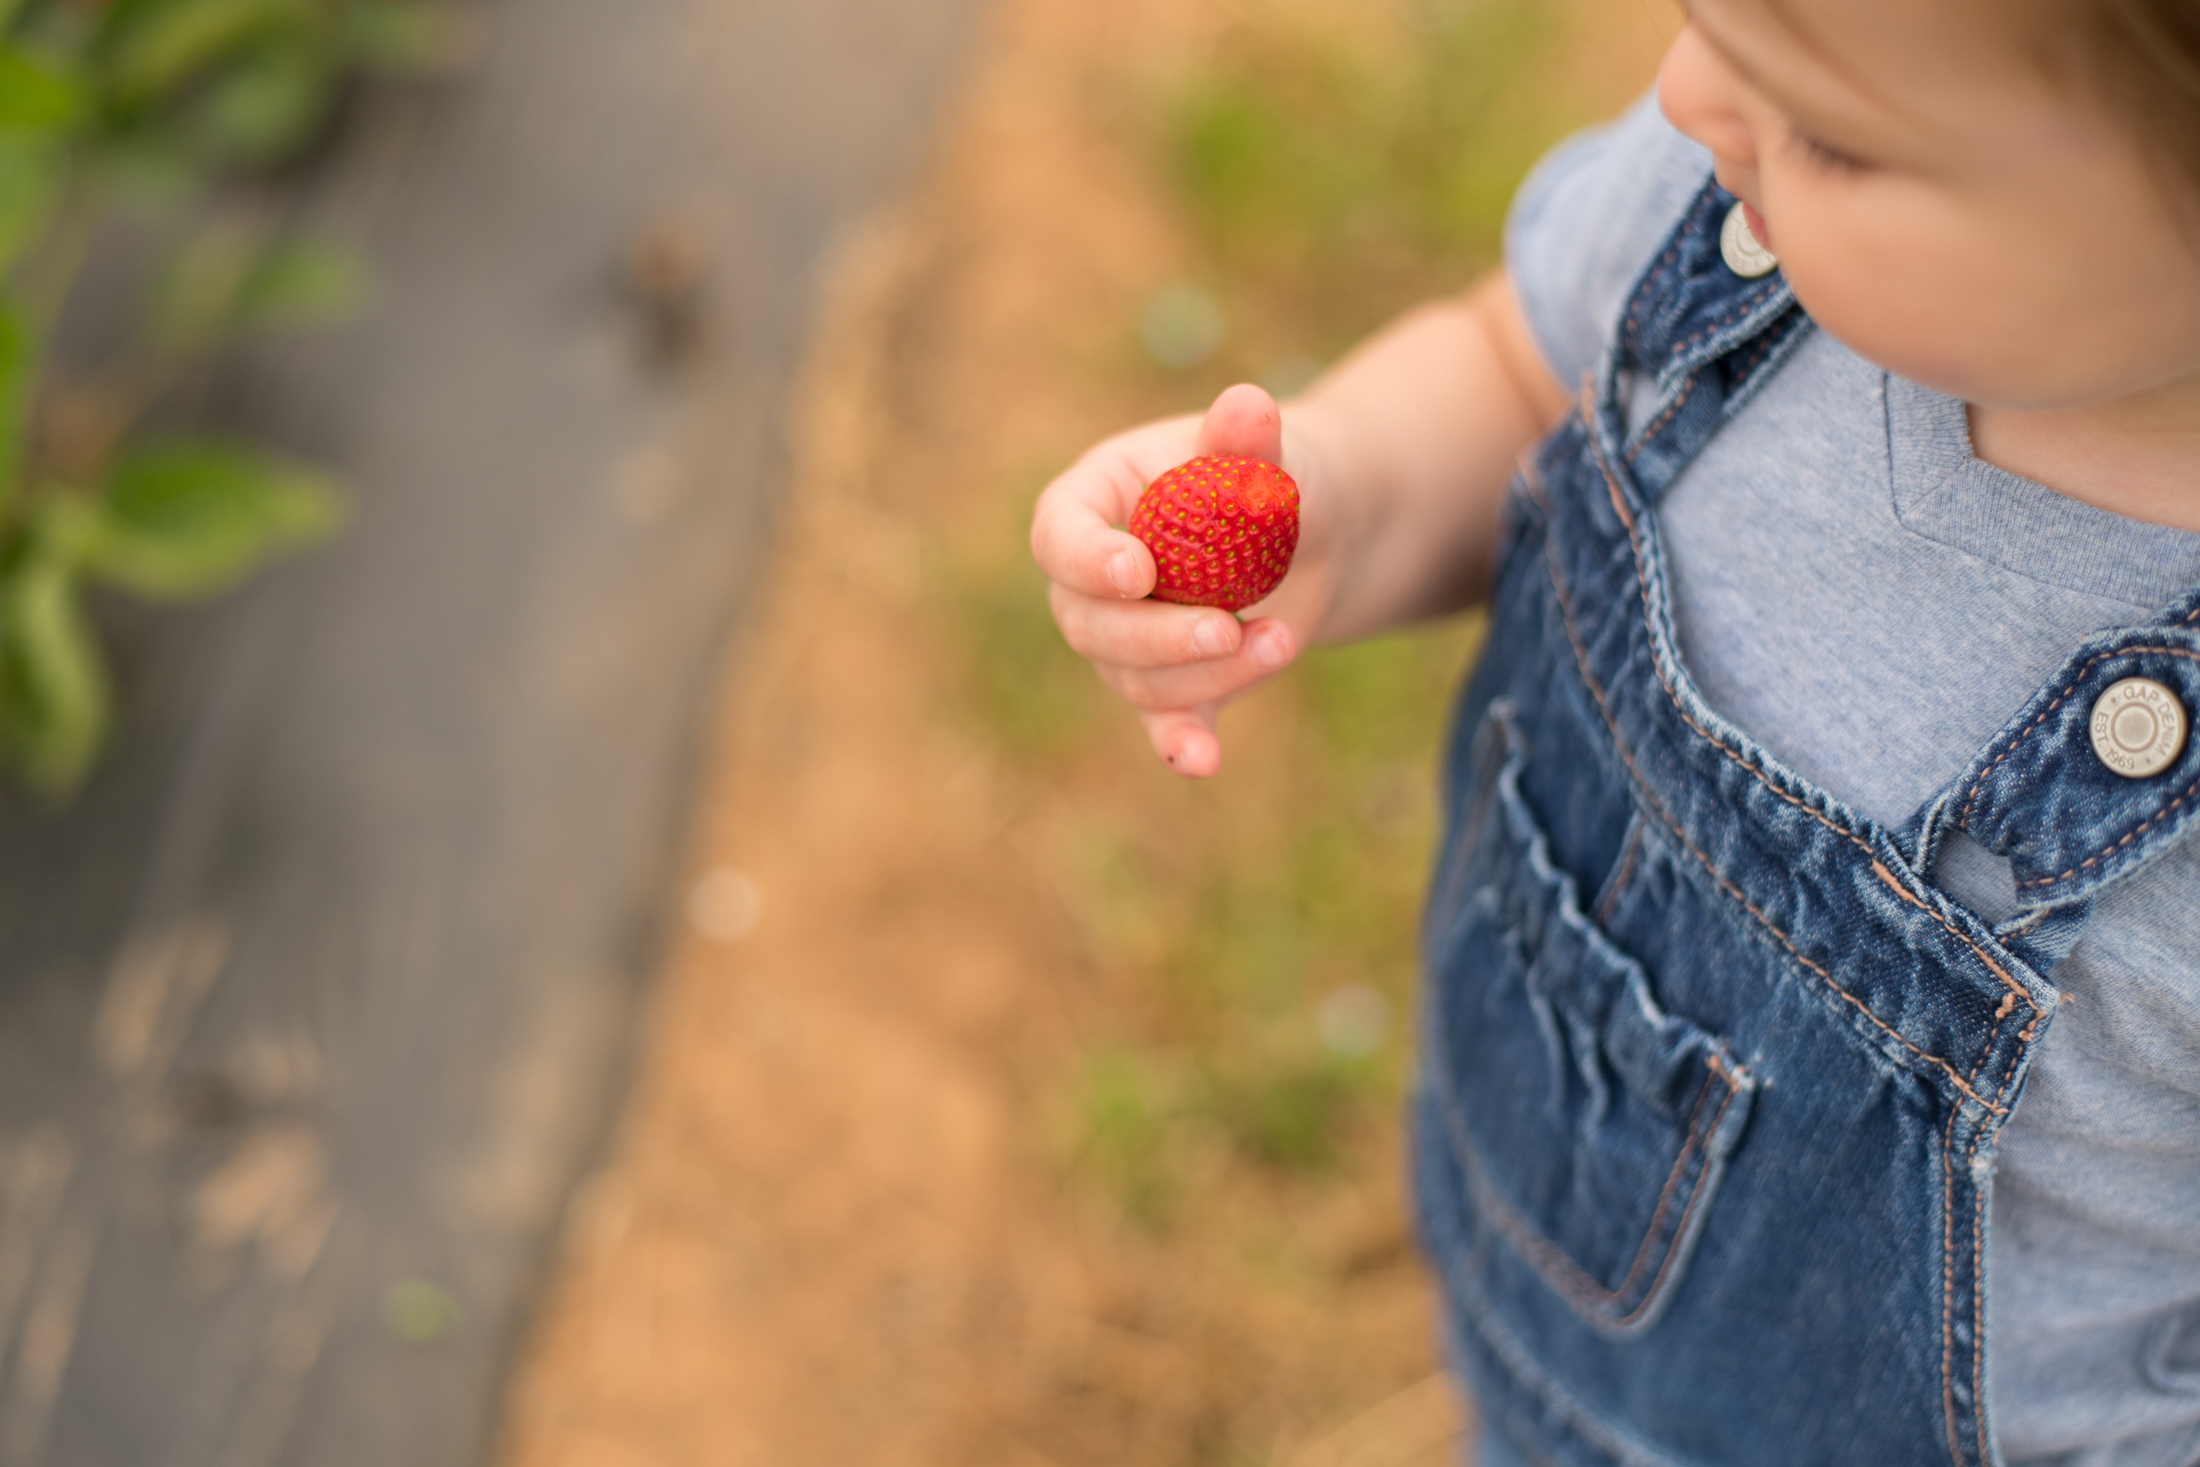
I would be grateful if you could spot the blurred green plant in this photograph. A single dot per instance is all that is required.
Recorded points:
(178, 118)
(1032, 696)
(1334, 178)
(1332, 165)
(1277, 947)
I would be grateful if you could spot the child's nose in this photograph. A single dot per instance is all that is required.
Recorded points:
(1700, 96)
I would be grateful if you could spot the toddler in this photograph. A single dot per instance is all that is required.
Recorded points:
(1810, 1066)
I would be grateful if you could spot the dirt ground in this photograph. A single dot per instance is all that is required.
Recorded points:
(853, 1212)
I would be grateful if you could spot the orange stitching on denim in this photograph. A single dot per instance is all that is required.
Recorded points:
(1695, 1193)
(1948, 1286)
(1575, 1281)
(1625, 873)
(1749, 305)
(1612, 485)
(1765, 344)
(1673, 1178)
(1978, 1301)
(1993, 1038)
(2133, 834)
(1642, 439)
(1643, 295)
(2061, 698)
(1695, 379)
(1619, 503)
(1596, 690)
(1880, 870)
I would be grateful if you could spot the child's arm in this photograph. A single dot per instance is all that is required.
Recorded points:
(1401, 452)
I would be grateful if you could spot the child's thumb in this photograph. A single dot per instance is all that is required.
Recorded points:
(1245, 421)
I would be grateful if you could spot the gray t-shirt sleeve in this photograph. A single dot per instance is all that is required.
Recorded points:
(1583, 227)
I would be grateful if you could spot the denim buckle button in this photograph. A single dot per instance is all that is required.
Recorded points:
(2138, 728)
(1738, 246)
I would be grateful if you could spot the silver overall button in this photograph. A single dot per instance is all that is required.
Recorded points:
(1739, 248)
(2138, 728)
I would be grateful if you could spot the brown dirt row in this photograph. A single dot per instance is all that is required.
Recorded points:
(841, 1222)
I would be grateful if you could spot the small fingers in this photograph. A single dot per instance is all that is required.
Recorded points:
(1082, 551)
(1244, 420)
(1143, 634)
(1073, 526)
(1184, 739)
(1266, 648)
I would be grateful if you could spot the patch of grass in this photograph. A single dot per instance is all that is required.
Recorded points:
(1378, 702)
(1331, 168)
(1127, 1108)
(1027, 691)
(1333, 178)
(1244, 930)
(1291, 1111)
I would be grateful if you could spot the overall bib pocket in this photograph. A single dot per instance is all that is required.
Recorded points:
(1592, 1126)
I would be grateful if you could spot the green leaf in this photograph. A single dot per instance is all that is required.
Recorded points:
(231, 278)
(29, 188)
(408, 37)
(156, 47)
(35, 98)
(18, 367)
(267, 108)
(187, 519)
(195, 300)
(300, 283)
(147, 174)
(53, 678)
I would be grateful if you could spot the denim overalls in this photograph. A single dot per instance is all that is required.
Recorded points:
(1712, 1072)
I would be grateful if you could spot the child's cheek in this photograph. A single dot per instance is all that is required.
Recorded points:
(1897, 302)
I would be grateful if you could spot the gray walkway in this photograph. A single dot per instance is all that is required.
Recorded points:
(314, 1005)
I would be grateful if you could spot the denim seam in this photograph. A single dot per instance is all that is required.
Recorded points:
(1978, 1301)
(2133, 834)
(1623, 875)
(1878, 867)
(1572, 1415)
(2076, 679)
(1642, 440)
(1672, 1180)
(1656, 277)
(1596, 690)
(1552, 1263)
(1948, 1287)
(1763, 349)
(1740, 312)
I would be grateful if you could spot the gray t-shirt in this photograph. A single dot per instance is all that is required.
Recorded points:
(1871, 602)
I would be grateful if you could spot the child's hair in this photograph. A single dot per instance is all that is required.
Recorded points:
(2140, 57)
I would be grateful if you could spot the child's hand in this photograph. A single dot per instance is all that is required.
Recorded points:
(1176, 664)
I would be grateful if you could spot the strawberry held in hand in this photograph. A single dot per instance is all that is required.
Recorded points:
(1221, 529)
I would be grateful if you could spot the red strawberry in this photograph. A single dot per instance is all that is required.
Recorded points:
(1221, 529)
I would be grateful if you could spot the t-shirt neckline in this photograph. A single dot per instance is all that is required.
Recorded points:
(1944, 492)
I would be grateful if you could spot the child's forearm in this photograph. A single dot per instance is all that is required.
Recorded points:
(1418, 431)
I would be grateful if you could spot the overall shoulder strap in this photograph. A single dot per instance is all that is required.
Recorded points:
(1701, 334)
(2096, 777)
